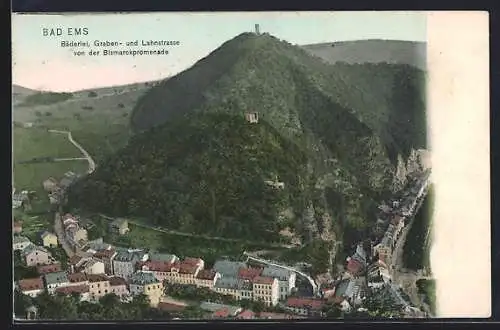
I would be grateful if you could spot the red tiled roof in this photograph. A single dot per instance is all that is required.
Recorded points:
(30, 284)
(206, 274)
(116, 281)
(45, 269)
(170, 307)
(77, 277)
(297, 302)
(97, 277)
(246, 314)
(249, 273)
(224, 312)
(104, 253)
(73, 289)
(187, 268)
(354, 266)
(263, 280)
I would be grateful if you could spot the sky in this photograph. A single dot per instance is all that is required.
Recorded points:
(39, 62)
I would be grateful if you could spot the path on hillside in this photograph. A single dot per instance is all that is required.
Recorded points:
(92, 164)
(214, 238)
(69, 159)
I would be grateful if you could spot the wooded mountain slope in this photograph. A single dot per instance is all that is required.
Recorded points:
(331, 133)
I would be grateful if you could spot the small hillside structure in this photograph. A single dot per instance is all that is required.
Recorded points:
(252, 117)
(49, 239)
(119, 226)
(17, 227)
(50, 185)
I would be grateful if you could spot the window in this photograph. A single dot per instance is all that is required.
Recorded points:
(105, 291)
(99, 291)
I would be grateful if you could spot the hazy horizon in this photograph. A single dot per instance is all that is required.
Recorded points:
(53, 68)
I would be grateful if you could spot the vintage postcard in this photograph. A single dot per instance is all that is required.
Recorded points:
(264, 165)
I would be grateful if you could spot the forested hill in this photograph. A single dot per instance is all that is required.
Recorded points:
(263, 74)
(330, 133)
(203, 174)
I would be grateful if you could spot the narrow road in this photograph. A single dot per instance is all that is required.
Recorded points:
(215, 238)
(92, 165)
(61, 236)
(68, 159)
(58, 225)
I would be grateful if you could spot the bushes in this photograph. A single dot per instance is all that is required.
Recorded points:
(92, 94)
(45, 98)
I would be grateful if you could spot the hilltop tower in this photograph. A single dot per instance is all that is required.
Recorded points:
(257, 29)
(252, 117)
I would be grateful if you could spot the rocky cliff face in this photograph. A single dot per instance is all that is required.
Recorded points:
(417, 161)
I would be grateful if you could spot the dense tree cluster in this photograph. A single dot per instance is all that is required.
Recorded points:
(44, 98)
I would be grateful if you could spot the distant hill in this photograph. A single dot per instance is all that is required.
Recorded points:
(195, 162)
(372, 51)
(22, 91)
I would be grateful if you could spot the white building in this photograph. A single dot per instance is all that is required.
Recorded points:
(90, 266)
(286, 280)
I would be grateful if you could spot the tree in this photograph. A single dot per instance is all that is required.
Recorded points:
(92, 94)
(21, 303)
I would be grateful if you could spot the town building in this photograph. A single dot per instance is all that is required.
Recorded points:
(77, 279)
(245, 290)
(49, 239)
(286, 279)
(146, 283)
(309, 307)
(20, 242)
(125, 261)
(207, 278)
(185, 272)
(50, 268)
(50, 185)
(266, 289)
(227, 286)
(36, 255)
(21, 200)
(31, 286)
(17, 227)
(160, 269)
(89, 266)
(83, 291)
(53, 281)
(354, 267)
(119, 226)
(228, 267)
(98, 286)
(106, 257)
(118, 286)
